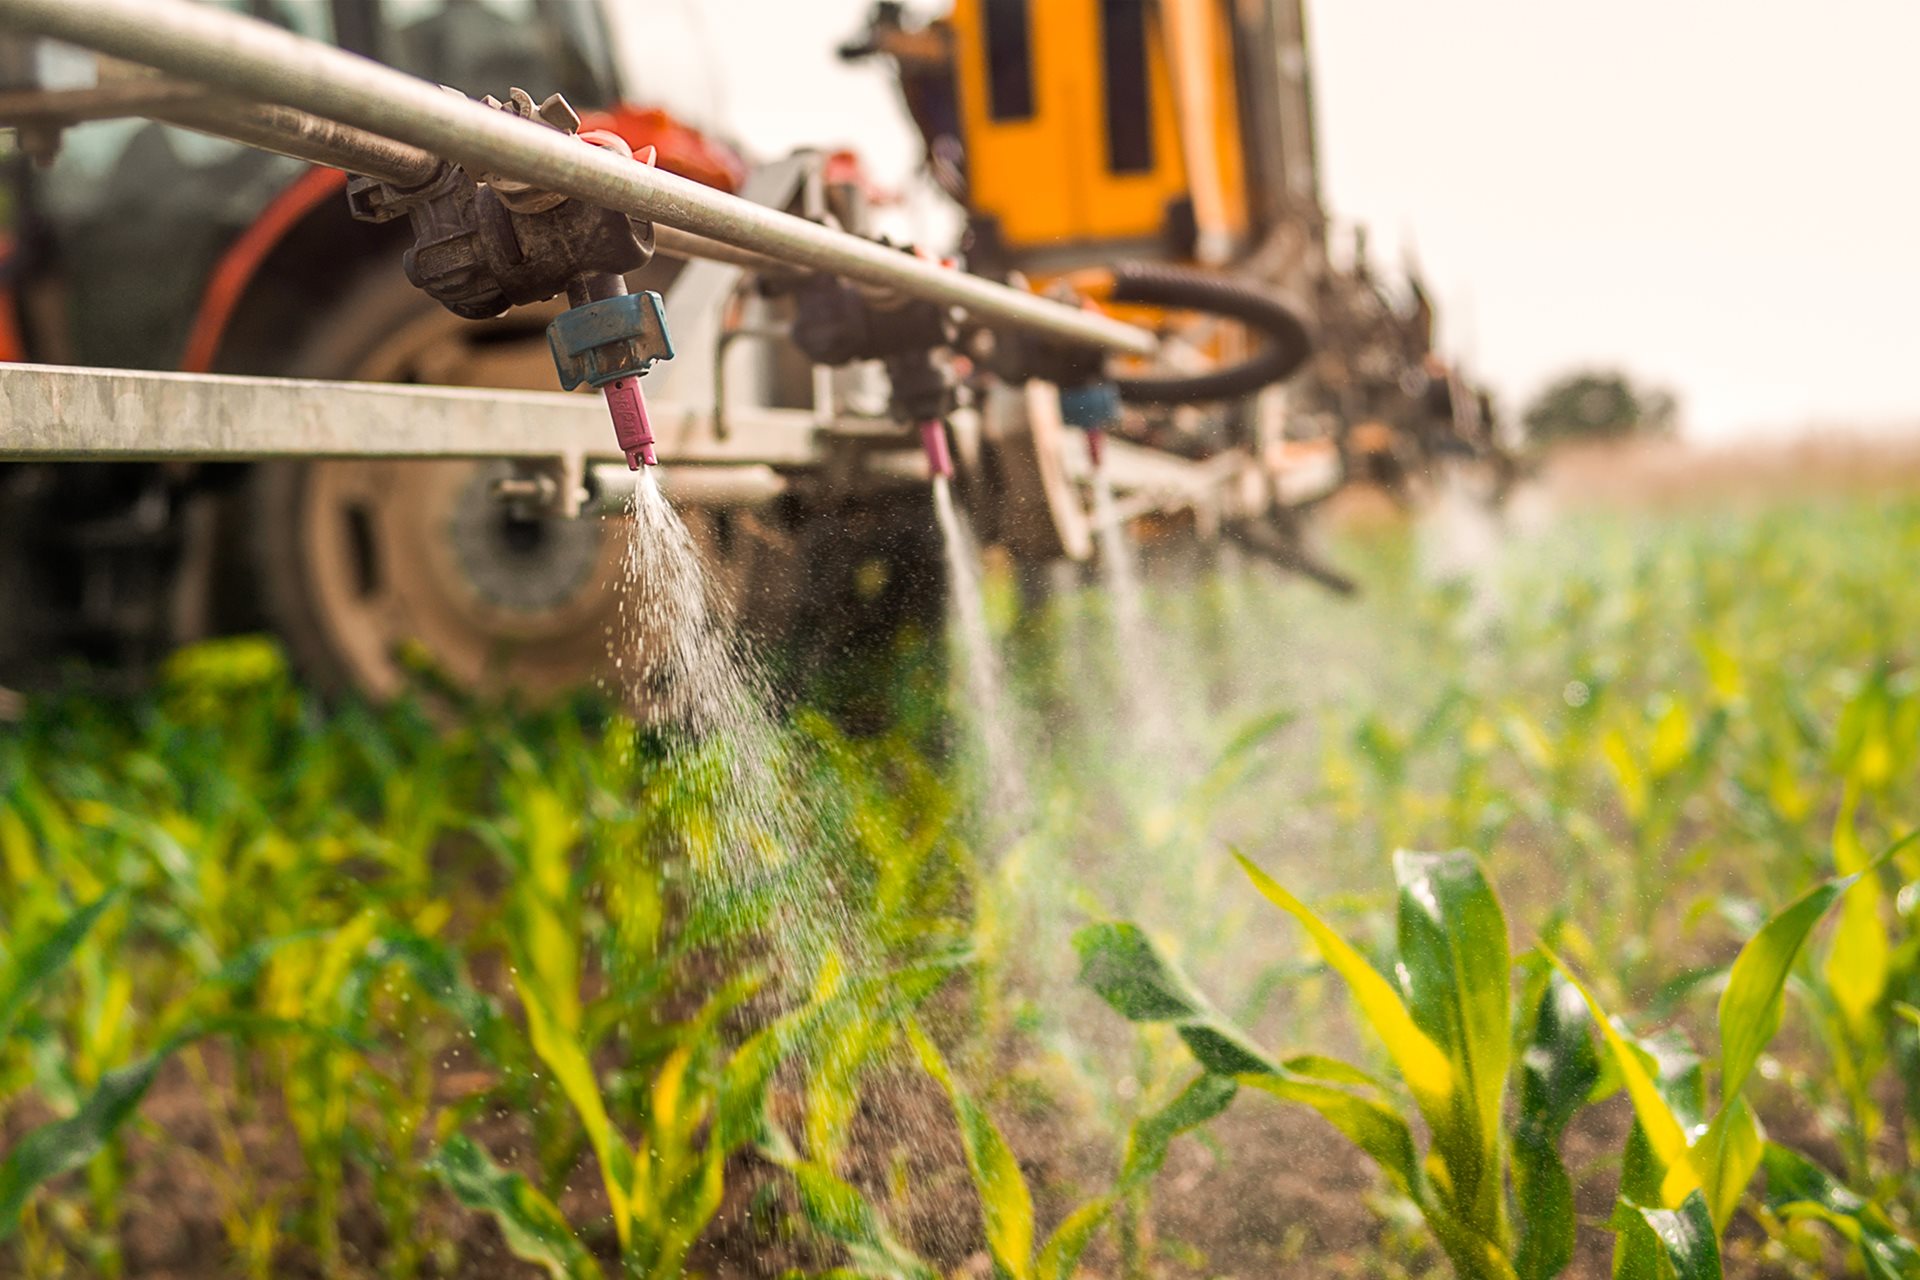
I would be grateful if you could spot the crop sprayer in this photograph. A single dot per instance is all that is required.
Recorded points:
(820, 376)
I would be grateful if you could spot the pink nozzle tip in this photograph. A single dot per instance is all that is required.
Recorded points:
(630, 427)
(1096, 446)
(933, 438)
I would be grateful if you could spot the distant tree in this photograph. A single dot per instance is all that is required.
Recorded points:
(1599, 404)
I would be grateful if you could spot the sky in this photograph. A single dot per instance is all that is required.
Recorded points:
(1718, 196)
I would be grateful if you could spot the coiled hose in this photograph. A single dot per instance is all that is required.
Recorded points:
(1288, 342)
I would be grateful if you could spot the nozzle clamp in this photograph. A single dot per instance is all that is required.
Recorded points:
(605, 341)
(1091, 406)
(608, 345)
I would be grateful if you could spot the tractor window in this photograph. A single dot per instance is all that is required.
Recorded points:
(1009, 40)
(310, 18)
(1123, 50)
(489, 46)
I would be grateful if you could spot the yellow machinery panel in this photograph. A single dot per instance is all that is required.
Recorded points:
(1072, 126)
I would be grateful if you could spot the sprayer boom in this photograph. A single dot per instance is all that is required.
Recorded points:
(257, 61)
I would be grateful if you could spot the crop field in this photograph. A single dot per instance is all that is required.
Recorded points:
(1549, 910)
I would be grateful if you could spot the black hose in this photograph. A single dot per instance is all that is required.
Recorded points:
(1259, 308)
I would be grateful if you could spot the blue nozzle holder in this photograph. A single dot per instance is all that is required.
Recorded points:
(611, 339)
(1091, 406)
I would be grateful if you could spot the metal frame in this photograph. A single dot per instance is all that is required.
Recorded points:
(124, 415)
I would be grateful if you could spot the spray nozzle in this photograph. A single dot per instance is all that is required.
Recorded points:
(1092, 407)
(933, 438)
(1096, 446)
(608, 343)
(630, 427)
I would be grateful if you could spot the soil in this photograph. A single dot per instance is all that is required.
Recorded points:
(1272, 1192)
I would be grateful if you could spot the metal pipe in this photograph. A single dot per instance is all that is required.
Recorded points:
(289, 131)
(676, 243)
(256, 60)
(56, 413)
(749, 485)
(61, 107)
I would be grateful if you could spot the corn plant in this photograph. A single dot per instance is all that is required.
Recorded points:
(1491, 1186)
(840, 1213)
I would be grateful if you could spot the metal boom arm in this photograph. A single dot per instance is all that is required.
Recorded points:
(252, 58)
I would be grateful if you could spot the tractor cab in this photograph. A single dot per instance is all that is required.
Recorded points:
(1082, 133)
(119, 236)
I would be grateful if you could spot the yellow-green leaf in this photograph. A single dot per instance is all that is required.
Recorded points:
(1454, 967)
(36, 965)
(1754, 998)
(1061, 1254)
(1672, 740)
(1627, 774)
(1798, 1189)
(1690, 1248)
(1858, 963)
(535, 1229)
(1374, 1127)
(1665, 1135)
(1728, 1156)
(1005, 1203)
(574, 1073)
(1421, 1062)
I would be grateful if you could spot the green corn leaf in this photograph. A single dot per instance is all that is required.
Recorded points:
(1690, 1249)
(1235, 760)
(1122, 965)
(1558, 1070)
(1728, 1156)
(1331, 1070)
(1061, 1254)
(1147, 1145)
(749, 1071)
(61, 1145)
(838, 1211)
(1666, 1137)
(438, 971)
(535, 1229)
(1421, 1062)
(1152, 1134)
(1455, 969)
(1628, 777)
(31, 969)
(1680, 1079)
(1798, 1189)
(1859, 961)
(1907, 1011)
(1374, 1127)
(1755, 997)
(574, 1072)
(1384, 1135)
(54, 1148)
(1005, 1203)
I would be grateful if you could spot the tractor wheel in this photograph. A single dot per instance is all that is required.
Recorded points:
(1036, 510)
(369, 569)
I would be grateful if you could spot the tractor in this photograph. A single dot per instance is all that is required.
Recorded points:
(1173, 138)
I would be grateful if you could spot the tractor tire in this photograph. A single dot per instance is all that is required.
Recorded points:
(374, 571)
